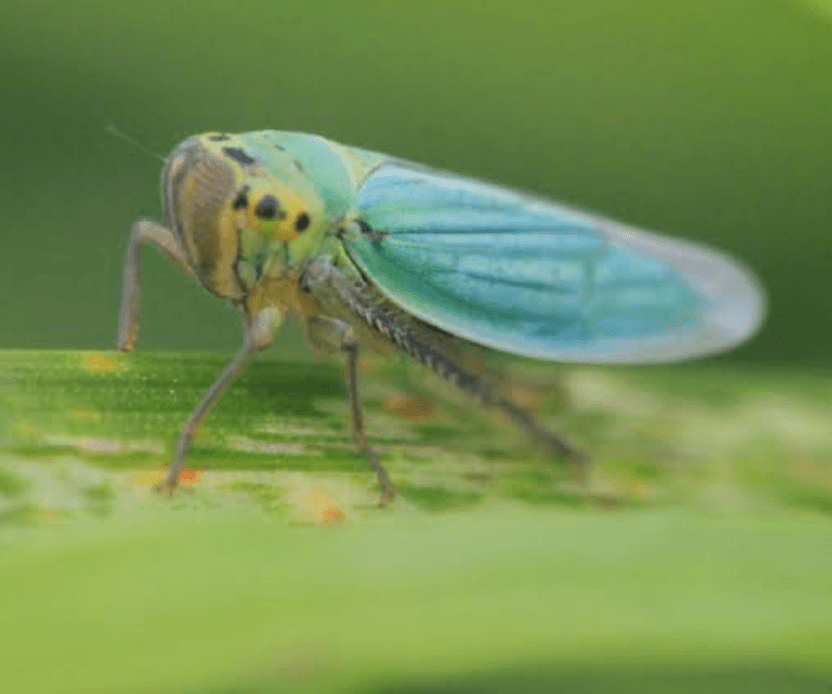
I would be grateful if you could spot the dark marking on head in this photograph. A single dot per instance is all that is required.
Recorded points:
(267, 207)
(239, 155)
(298, 165)
(302, 221)
(241, 200)
(279, 147)
(222, 137)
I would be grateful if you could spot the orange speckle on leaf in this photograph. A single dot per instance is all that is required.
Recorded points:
(190, 477)
(410, 406)
(101, 363)
(324, 509)
(154, 477)
(641, 489)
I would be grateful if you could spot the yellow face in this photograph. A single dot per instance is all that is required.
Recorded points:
(271, 209)
(240, 213)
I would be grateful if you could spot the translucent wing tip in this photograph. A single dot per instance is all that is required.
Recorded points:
(734, 298)
(738, 302)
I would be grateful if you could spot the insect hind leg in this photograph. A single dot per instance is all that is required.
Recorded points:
(559, 446)
(473, 383)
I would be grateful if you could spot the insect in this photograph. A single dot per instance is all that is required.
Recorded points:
(367, 250)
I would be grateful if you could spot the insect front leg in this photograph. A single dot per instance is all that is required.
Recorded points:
(258, 336)
(144, 232)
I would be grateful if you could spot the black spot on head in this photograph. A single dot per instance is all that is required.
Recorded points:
(222, 137)
(241, 200)
(302, 221)
(298, 165)
(365, 228)
(239, 155)
(267, 207)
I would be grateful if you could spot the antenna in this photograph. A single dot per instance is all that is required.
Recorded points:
(113, 130)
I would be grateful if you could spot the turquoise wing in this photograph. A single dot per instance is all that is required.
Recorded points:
(537, 279)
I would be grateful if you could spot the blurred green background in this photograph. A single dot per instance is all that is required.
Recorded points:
(708, 120)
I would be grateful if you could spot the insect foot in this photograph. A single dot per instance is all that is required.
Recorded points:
(167, 487)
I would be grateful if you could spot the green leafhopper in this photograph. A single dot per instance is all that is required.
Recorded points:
(367, 250)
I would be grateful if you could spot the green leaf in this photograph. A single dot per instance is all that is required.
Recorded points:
(695, 558)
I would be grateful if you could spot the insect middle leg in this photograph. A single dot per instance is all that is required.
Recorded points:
(325, 333)
(350, 346)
